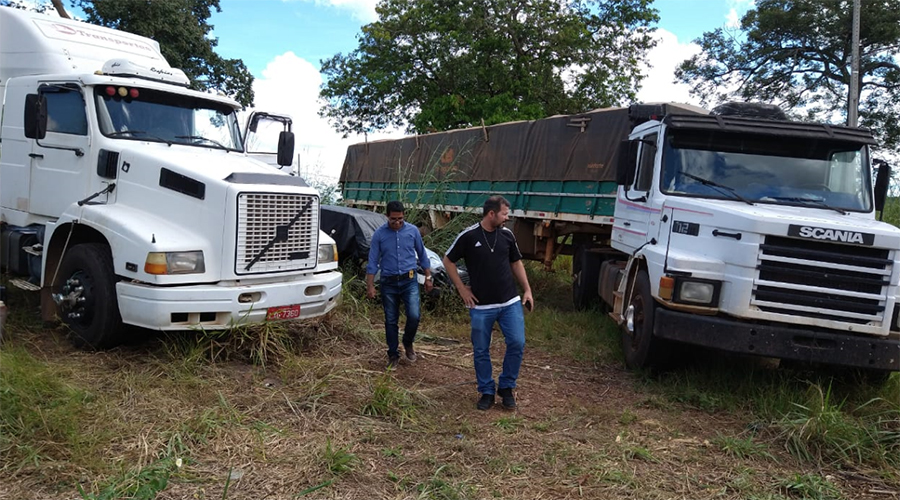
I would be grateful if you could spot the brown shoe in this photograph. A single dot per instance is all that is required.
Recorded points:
(393, 361)
(410, 353)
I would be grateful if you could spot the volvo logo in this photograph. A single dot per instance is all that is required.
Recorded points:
(836, 235)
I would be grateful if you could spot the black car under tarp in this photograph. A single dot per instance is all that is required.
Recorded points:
(352, 230)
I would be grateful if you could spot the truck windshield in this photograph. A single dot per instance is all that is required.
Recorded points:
(765, 169)
(152, 115)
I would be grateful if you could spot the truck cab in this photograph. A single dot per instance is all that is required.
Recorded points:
(755, 236)
(127, 198)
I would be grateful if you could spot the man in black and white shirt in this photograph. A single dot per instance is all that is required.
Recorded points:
(493, 260)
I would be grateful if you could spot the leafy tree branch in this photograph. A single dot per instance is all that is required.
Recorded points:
(431, 65)
(796, 53)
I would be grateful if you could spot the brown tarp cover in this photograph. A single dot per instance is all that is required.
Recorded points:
(552, 149)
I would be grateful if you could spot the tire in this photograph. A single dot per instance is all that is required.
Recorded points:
(586, 274)
(641, 350)
(91, 313)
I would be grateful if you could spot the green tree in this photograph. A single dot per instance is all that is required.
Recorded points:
(797, 54)
(22, 5)
(183, 33)
(440, 64)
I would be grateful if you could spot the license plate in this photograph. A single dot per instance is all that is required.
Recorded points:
(283, 312)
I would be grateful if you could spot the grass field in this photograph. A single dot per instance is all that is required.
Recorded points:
(306, 410)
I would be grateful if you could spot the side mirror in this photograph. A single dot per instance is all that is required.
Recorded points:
(35, 116)
(285, 148)
(626, 162)
(882, 183)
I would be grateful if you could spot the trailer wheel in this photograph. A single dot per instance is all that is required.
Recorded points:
(86, 288)
(640, 348)
(586, 274)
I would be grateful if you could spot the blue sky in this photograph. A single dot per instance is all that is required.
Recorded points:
(317, 29)
(282, 42)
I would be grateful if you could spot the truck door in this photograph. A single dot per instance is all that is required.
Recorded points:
(60, 166)
(635, 213)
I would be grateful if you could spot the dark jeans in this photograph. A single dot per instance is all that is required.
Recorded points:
(392, 293)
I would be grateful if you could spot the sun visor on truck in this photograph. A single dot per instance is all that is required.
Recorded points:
(124, 67)
(735, 124)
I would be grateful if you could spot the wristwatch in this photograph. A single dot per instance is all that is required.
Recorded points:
(428, 278)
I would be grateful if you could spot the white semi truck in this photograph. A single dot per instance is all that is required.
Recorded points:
(753, 235)
(127, 198)
(749, 234)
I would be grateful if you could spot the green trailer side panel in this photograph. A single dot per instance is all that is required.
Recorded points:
(558, 199)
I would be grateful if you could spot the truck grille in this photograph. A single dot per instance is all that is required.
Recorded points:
(276, 232)
(813, 279)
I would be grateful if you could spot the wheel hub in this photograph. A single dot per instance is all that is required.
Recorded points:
(629, 319)
(73, 297)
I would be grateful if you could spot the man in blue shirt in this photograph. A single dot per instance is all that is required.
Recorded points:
(396, 249)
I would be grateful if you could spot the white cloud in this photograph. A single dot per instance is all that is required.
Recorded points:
(732, 20)
(290, 85)
(737, 9)
(361, 10)
(659, 85)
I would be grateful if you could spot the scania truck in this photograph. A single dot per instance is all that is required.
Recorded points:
(127, 198)
(749, 234)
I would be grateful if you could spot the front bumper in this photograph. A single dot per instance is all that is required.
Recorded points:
(784, 342)
(216, 307)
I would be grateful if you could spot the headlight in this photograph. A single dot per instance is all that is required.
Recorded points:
(175, 263)
(327, 253)
(693, 291)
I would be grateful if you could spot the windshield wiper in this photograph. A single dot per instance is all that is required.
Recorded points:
(721, 187)
(120, 133)
(817, 201)
(201, 138)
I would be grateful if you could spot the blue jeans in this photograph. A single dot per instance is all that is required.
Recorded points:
(512, 324)
(392, 293)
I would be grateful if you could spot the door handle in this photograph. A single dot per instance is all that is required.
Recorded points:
(626, 224)
(36, 155)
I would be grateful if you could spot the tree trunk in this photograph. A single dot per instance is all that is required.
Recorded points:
(61, 9)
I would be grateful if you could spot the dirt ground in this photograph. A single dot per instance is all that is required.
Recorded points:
(311, 429)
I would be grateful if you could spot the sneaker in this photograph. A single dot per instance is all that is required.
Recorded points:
(393, 361)
(508, 400)
(410, 353)
(486, 401)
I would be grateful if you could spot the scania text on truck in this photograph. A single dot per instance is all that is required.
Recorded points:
(749, 234)
(127, 198)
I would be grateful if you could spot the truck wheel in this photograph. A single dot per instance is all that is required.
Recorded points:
(640, 348)
(586, 274)
(86, 285)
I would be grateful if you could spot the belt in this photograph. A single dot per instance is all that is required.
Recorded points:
(399, 277)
